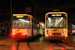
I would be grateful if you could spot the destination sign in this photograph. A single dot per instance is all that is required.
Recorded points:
(56, 14)
(19, 16)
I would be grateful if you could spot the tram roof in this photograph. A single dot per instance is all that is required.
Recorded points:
(21, 15)
(25, 15)
(55, 12)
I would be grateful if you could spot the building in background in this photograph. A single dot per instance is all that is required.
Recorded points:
(4, 28)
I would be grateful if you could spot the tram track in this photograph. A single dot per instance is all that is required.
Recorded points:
(64, 46)
(27, 45)
(18, 45)
(69, 45)
(27, 40)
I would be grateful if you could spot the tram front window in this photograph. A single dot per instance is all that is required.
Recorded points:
(56, 22)
(21, 23)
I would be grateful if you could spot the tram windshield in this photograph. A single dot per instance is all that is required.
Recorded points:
(56, 22)
(21, 23)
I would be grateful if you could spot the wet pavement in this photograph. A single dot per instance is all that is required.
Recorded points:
(39, 43)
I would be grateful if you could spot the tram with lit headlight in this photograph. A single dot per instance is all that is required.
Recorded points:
(56, 25)
(24, 26)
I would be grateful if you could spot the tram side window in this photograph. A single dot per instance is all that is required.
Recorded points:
(34, 24)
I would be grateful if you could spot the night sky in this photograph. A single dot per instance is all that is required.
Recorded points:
(20, 5)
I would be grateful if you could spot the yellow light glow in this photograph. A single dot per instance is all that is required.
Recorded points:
(19, 30)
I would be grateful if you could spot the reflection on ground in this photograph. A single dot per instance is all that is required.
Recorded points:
(39, 43)
(13, 47)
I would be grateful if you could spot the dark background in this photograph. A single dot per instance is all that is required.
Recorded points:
(38, 8)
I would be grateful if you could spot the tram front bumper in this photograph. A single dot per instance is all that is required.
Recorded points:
(19, 37)
(56, 38)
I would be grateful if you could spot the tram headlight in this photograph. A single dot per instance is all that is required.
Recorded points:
(13, 33)
(24, 33)
(62, 33)
(50, 34)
